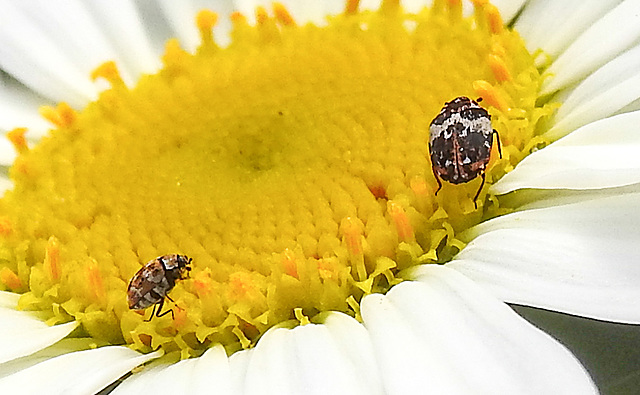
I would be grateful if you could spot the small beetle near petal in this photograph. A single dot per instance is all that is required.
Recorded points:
(460, 142)
(152, 283)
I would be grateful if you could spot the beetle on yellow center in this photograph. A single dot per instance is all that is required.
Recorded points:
(152, 283)
(460, 142)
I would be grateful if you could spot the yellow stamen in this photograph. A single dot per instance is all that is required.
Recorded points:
(109, 71)
(303, 319)
(401, 221)
(455, 9)
(495, 20)
(282, 15)
(499, 68)
(491, 95)
(95, 283)
(10, 279)
(351, 7)
(62, 116)
(52, 260)
(16, 136)
(292, 166)
(205, 21)
(5, 226)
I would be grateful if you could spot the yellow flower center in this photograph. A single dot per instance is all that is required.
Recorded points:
(292, 166)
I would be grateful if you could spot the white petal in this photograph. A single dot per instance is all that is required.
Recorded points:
(7, 152)
(302, 11)
(269, 367)
(64, 346)
(121, 24)
(371, 5)
(579, 258)
(306, 359)
(19, 108)
(144, 381)
(191, 376)
(182, 18)
(508, 8)
(82, 372)
(5, 182)
(22, 333)
(635, 106)
(601, 154)
(614, 33)
(445, 335)
(415, 6)
(602, 94)
(9, 300)
(352, 338)
(313, 11)
(213, 367)
(553, 25)
(36, 53)
(527, 199)
(238, 365)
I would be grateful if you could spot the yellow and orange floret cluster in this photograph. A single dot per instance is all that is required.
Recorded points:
(292, 167)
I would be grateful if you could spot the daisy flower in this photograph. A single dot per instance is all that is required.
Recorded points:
(284, 150)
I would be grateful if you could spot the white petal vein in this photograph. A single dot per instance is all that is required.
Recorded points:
(578, 258)
(445, 334)
(602, 154)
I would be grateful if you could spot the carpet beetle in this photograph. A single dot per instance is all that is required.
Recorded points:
(152, 283)
(460, 142)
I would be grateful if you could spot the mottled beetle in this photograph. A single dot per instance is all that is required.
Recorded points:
(152, 283)
(460, 142)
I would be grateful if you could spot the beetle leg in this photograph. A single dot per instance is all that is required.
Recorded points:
(160, 304)
(475, 198)
(153, 310)
(499, 144)
(173, 317)
(438, 180)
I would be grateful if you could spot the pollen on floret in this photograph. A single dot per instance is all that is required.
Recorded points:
(174, 56)
(282, 15)
(16, 136)
(499, 68)
(494, 18)
(491, 95)
(351, 6)
(61, 116)
(52, 259)
(203, 284)
(5, 226)
(455, 9)
(292, 165)
(95, 283)
(289, 263)
(10, 279)
(108, 71)
(401, 221)
(206, 20)
(352, 233)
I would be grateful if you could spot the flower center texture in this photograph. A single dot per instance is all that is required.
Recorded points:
(292, 167)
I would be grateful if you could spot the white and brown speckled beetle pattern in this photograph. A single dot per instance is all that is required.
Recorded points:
(152, 283)
(460, 142)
